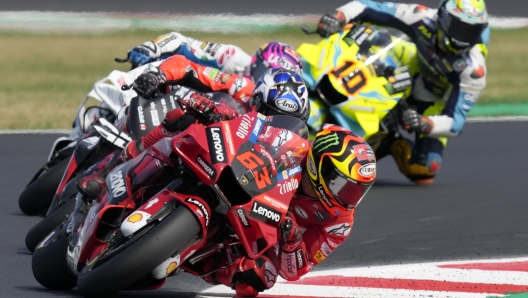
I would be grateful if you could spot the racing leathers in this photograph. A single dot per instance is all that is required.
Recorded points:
(446, 86)
(321, 232)
(226, 57)
(174, 72)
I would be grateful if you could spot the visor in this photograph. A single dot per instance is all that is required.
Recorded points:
(258, 69)
(345, 190)
(462, 34)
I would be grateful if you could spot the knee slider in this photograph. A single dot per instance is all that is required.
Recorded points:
(261, 274)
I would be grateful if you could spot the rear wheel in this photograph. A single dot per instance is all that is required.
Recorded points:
(123, 268)
(37, 196)
(38, 232)
(50, 267)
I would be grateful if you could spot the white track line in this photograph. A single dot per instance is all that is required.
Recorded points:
(34, 131)
(65, 131)
(417, 272)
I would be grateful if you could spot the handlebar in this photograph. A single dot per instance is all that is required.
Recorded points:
(307, 30)
(121, 60)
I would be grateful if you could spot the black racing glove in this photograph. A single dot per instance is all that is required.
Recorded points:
(290, 234)
(146, 85)
(330, 23)
(412, 121)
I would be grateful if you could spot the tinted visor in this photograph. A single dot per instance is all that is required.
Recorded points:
(461, 33)
(345, 190)
(258, 69)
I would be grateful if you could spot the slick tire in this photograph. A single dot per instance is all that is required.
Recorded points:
(50, 267)
(39, 231)
(37, 196)
(140, 257)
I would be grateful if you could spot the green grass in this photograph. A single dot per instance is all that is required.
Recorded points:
(507, 68)
(44, 77)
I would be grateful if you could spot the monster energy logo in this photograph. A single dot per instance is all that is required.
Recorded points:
(324, 142)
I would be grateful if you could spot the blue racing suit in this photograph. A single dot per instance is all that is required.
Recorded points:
(446, 86)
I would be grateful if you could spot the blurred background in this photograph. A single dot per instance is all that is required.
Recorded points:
(53, 51)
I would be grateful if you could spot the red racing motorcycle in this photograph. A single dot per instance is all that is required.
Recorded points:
(223, 188)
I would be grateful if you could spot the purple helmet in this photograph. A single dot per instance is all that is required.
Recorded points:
(275, 55)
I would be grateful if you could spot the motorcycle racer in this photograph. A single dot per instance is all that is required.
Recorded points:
(279, 91)
(321, 213)
(338, 171)
(452, 48)
(226, 57)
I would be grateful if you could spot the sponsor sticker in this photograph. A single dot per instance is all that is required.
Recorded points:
(136, 217)
(151, 203)
(237, 85)
(265, 214)
(256, 130)
(363, 152)
(325, 249)
(281, 138)
(288, 186)
(206, 166)
(339, 229)
(116, 182)
(202, 207)
(154, 114)
(319, 256)
(291, 263)
(244, 127)
(215, 139)
(242, 215)
(275, 203)
(367, 170)
(300, 259)
(300, 211)
(311, 167)
(229, 138)
(287, 105)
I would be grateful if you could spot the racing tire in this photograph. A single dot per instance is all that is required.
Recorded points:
(39, 231)
(50, 267)
(140, 257)
(37, 196)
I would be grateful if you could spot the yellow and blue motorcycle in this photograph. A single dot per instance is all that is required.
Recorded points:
(358, 79)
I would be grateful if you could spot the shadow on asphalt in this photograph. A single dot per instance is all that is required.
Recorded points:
(125, 294)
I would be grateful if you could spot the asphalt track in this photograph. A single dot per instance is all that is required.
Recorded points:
(477, 209)
(517, 8)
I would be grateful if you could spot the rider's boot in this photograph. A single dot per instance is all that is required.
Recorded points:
(421, 174)
(247, 277)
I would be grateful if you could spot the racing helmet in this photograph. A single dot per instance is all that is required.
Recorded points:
(274, 55)
(341, 167)
(460, 24)
(281, 92)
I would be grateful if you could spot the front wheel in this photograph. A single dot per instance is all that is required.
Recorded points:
(37, 196)
(139, 258)
(39, 231)
(50, 267)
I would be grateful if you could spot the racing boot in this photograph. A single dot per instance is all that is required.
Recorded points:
(421, 173)
(247, 277)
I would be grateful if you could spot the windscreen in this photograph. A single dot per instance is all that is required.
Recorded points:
(273, 152)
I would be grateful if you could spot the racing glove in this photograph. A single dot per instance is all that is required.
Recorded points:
(146, 85)
(412, 121)
(330, 23)
(143, 54)
(290, 237)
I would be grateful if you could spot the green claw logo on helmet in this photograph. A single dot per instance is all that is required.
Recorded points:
(325, 142)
